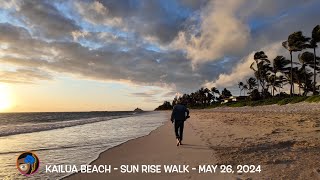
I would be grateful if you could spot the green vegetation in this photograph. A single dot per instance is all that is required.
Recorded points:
(291, 100)
(313, 99)
(270, 101)
(165, 106)
(270, 76)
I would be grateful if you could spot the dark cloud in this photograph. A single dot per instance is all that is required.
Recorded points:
(136, 45)
(142, 94)
(12, 33)
(154, 95)
(24, 76)
(45, 19)
(298, 16)
(193, 4)
(262, 9)
(154, 18)
(139, 66)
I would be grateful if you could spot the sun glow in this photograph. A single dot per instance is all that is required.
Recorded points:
(5, 100)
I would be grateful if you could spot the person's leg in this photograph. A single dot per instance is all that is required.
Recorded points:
(176, 129)
(181, 130)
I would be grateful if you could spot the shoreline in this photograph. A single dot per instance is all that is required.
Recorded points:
(74, 145)
(103, 151)
(156, 148)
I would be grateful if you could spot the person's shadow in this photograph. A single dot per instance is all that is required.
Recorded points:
(192, 146)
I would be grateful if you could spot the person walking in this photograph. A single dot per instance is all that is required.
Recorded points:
(180, 113)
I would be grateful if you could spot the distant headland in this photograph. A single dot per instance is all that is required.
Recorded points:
(138, 110)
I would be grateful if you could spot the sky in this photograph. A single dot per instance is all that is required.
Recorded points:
(85, 55)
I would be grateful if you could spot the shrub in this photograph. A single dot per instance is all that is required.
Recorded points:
(298, 99)
(238, 104)
(255, 95)
(284, 101)
(292, 100)
(274, 100)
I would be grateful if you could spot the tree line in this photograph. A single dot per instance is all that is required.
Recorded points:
(198, 99)
(270, 76)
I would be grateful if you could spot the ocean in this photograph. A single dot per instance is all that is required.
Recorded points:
(67, 138)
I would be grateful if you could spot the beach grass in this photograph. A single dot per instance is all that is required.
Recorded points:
(313, 99)
(269, 101)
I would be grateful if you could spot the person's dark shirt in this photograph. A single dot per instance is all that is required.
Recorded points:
(179, 113)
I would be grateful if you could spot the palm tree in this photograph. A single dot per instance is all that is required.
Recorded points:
(201, 95)
(296, 42)
(240, 84)
(252, 83)
(225, 93)
(279, 65)
(281, 81)
(306, 58)
(315, 38)
(245, 88)
(271, 80)
(303, 78)
(192, 99)
(207, 96)
(263, 66)
(210, 97)
(215, 91)
(175, 100)
(298, 76)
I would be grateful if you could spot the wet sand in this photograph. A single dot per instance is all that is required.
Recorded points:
(158, 148)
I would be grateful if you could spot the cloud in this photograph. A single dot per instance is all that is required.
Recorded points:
(77, 34)
(159, 19)
(195, 5)
(12, 33)
(149, 43)
(11, 4)
(44, 19)
(242, 70)
(156, 95)
(24, 76)
(96, 13)
(138, 65)
(221, 33)
(260, 9)
(142, 94)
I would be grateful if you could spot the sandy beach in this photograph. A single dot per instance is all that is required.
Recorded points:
(284, 140)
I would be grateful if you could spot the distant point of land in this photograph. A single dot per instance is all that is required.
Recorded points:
(138, 110)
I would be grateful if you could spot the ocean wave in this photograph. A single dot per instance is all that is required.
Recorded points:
(7, 130)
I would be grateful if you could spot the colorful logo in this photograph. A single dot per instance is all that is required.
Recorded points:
(28, 163)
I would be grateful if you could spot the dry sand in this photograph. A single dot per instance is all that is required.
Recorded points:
(284, 140)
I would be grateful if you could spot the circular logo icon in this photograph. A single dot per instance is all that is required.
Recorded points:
(28, 163)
